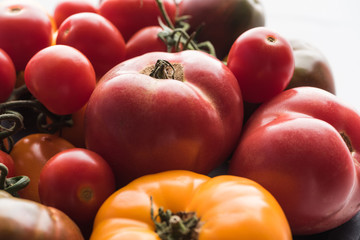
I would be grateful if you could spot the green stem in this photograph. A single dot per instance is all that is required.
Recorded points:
(164, 14)
(14, 184)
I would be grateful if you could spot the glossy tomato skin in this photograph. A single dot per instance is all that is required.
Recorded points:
(96, 37)
(263, 62)
(30, 154)
(7, 160)
(129, 16)
(151, 125)
(65, 8)
(222, 21)
(145, 40)
(229, 208)
(25, 28)
(7, 76)
(303, 147)
(25, 219)
(76, 181)
(60, 77)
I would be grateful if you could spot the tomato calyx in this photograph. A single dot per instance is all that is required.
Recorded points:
(175, 226)
(14, 184)
(164, 70)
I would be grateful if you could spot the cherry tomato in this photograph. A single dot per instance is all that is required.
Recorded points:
(262, 61)
(61, 78)
(9, 163)
(30, 154)
(7, 76)
(65, 8)
(96, 37)
(129, 16)
(25, 28)
(76, 181)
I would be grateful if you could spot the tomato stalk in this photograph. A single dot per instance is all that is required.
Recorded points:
(175, 226)
(177, 37)
(14, 184)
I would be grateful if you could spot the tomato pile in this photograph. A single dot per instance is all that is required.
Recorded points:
(162, 119)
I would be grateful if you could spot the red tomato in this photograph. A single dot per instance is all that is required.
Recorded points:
(263, 63)
(7, 160)
(303, 146)
(222, 21)
(135, 45)
(30, 154)
(25, 28)
(61, 78)
(7, 76)
(129, 16)
(96, 37)
(76, 181)
(141, 124)
(66, 8)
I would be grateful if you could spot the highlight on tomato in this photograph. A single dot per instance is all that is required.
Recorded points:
(186, 205)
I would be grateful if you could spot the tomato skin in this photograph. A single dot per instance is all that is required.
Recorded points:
(145, 40)
(96, 37)
(224, 21)
(60, 77)
(7, 76)
(7, 160)
(254, 213)
(65, 8)
(76, 181)
(25, 219)
(151, 125)
(291, 144)
(25, 28)
(262, 61)
(30, 154)
(129, 16)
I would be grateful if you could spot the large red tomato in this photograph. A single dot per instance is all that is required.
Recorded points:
(96, 37)
(7, 76)
(25, 28)
(129, 16)
(60, 77)
(187, 115)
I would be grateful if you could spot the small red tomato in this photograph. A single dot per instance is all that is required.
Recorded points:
(262, 61)
(25, 28)
(7, 160)
(66, 8)
(96, 37)
(7, 76)
(76, 181)
(61, 78)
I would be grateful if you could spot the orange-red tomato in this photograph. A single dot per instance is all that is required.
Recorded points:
(227, 207)
(30, 154)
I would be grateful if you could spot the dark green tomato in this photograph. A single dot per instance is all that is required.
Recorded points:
(223, 21)
(311, 67)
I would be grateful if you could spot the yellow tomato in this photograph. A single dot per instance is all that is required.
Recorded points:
(226, 207)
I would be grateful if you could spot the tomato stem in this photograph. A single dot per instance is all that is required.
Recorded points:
(175, 226)
(163, 70)
(14, 184)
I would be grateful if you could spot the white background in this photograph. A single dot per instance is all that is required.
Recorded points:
(333, 26)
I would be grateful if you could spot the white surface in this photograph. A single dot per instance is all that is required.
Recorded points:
(333, 26)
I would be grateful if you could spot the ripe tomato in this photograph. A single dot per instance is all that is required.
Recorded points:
(65, 8)
(129, 16)
(223, 20)
(145, 124)
(263, 62)
(30, 154)
(96, 37)
(61, 78)
(7, 160)
(23, 219)
(7, 76)
(25, 28)
(76, 181)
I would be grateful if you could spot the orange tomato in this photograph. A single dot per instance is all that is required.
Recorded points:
(30, 154)
(227, 207)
